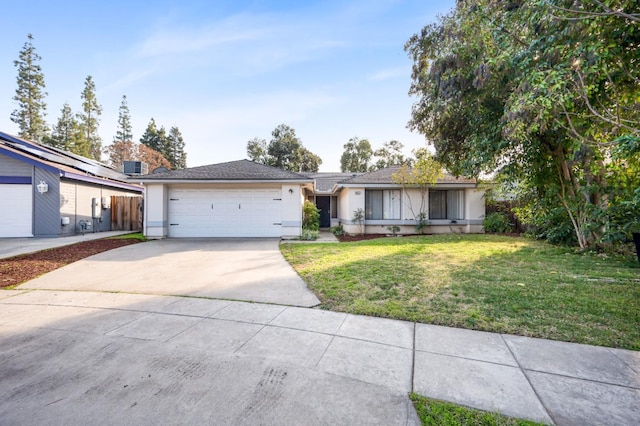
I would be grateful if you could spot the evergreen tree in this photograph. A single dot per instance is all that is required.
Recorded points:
(124, 132)
(153, 137)
(30, 94)
(356, 157)
(66, 133)
(90, 119)
(174, 149)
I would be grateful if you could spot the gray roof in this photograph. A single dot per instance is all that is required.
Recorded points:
(324, 182)
(233, 170)
(385, 176)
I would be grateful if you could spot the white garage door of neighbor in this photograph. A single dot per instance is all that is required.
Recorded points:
(15, 211)
(225, 213)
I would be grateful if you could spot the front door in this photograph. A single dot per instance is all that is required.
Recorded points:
(324, 205)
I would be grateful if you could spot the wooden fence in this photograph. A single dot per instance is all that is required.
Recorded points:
(126, 213)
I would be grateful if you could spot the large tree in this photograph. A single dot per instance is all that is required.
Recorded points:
(284, 151)
(124, 131)
(539, 93)
(257, 150)
(356, 157)
(66, 134)
(389, 155)
(153, 137)
(90, 119)
(174, 149)
(30, 94)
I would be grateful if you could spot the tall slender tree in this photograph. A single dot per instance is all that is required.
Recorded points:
(124, 131)
(30, 94)
(90, 118)
(174, 149)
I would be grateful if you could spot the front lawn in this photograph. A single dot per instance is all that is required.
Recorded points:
(482, 282)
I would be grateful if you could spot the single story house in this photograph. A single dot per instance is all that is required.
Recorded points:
(47, 192)
(247, 199)
(452, 205)
(234, 199)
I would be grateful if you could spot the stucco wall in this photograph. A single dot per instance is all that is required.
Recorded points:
(155, 211)
(292, 210)
(350, 200)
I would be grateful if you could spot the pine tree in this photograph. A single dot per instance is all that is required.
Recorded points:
(124, 132)
(153, 137)
(30, 94)
(66, 133)
(90, 119)
(174, 149)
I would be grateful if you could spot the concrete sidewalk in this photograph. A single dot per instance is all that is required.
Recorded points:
(85, 357)
(10, 247)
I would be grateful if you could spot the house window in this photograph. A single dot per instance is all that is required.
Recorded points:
(334, 207)
(447, 204)
(382, 204)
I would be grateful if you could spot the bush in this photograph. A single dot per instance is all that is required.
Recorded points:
(311, 217)
(497, 222)
(337, 230)
(309, 235)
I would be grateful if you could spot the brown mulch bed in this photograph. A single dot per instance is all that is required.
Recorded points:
(25, 267)
(350, 238)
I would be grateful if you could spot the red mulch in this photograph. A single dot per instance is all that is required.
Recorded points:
(349, 238)
(25, 267)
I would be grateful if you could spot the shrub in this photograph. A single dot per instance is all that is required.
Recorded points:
(311, 217)
(421, 222)
(309, 235)
(497, 222)
(394, 229)
(358, 218)
(337, 230)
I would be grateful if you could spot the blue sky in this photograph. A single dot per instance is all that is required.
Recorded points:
(227, 71)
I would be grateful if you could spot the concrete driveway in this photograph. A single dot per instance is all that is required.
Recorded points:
(237, 269)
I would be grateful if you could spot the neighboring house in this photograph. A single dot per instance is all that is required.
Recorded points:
(247, 199)
(451, 205)
(234, 199)
(47, 192)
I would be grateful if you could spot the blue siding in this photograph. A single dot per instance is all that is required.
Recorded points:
(12, 167)
(46, 207)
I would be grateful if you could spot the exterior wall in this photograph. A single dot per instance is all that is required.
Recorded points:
(350, 200)
(46, 219)
(12, 167)
(156, 206)
(76, 204)
(155, 211)
(292, 210)
(474, 211)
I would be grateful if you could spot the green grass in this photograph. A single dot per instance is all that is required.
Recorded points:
(439, 413)
(483, 282)
(134, 236)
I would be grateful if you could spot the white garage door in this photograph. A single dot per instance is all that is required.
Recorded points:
(15, 211)
(225, 213)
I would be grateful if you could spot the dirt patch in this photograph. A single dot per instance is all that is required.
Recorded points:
(18, 269)
(349, 238)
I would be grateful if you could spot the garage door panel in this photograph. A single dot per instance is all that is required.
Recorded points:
(225, 213)
(16, 210)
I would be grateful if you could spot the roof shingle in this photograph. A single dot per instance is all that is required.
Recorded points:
(233, 170)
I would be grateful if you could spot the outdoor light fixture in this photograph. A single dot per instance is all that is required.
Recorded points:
(42, 187)
(290, 190)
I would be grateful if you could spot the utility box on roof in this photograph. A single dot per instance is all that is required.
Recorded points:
(135, 168)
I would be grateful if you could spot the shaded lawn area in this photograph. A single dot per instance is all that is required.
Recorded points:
(482, 282)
